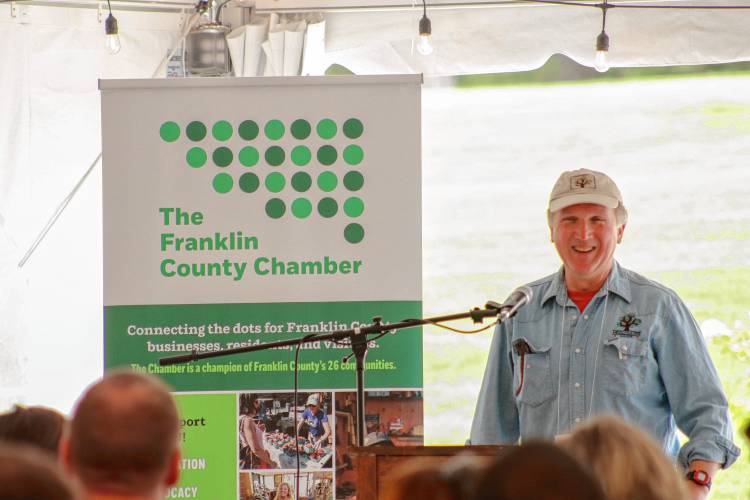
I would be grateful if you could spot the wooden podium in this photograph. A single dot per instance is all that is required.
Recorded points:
(374, 464)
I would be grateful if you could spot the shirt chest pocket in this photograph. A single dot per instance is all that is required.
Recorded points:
(532, 380)
(625, 365)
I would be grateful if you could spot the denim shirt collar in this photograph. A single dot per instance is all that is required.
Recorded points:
(616, 283)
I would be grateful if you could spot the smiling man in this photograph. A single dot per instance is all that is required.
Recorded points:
(598, 338)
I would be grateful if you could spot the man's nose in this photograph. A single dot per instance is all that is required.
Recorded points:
(583, 230)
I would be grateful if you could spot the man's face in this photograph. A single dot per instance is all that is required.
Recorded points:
(585, 236)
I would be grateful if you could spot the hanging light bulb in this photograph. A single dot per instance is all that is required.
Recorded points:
(111, 30)
(424, 46)
(601, 64)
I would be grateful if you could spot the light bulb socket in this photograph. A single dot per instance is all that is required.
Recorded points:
(602, 42)
(202, 6)
(425, 26)
(110, 25)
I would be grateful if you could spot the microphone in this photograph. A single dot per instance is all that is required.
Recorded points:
(515, 301)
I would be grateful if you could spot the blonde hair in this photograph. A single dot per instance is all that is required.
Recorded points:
(626, 460)
(277, 496)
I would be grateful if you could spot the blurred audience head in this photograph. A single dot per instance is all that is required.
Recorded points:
(452, 480)
(33, 425)
(123, 437)
(28, 473)
(537, 471)
(626, 460)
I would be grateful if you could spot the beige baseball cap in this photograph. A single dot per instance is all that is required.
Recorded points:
(584, 186)
(314, 399)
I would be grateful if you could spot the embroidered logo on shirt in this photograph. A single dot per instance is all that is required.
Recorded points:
(627, 323)
(583, 181)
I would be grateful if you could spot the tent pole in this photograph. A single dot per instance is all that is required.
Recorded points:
(64, 203)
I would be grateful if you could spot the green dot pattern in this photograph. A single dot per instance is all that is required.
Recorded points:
(248, 130)
(353, 181)
(249, 156)
(354, 233)
(327, 181)
(222, 130)
(327, 155)
(353, 128)
(222, 156)
(301, 156)
(223, 183)
(196, 131)
(327, 207)
(326, 128)
(353, 154)
(301, 208)
(301, 129)
(196, 157)
(275, 156)
(275, 208)
(249, 182)
(274, 130)
(169, 131)
(353, 207)
(301, 181)
(275, 182)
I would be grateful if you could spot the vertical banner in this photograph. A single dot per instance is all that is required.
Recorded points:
(243, 211)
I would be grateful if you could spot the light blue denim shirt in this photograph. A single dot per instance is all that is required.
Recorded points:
(635, 351)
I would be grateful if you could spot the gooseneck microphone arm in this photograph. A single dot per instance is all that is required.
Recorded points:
(358, 338)
(477, 315)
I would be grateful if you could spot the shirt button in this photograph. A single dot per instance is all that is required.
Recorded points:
(585, 316)
(578, 350)
(577, 385)
(577, 420)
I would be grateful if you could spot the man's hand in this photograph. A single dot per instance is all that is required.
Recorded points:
(696, 491)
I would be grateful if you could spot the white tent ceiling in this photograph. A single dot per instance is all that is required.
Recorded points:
(518, 38)
(470, 37)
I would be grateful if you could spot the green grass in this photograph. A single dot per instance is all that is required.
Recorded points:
(727, 115)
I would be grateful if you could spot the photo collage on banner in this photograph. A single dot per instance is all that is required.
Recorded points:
(245, 211)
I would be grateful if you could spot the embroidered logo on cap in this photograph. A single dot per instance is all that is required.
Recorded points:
(627, 322)
(585, 181)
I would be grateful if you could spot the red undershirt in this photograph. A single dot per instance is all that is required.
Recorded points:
(581, 299)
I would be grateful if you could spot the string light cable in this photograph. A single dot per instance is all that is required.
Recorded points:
(424, 46)
(111, 31)
(601, 62)
(602, 43)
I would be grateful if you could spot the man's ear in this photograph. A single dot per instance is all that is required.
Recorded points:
(173, 472)
(620, 232)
